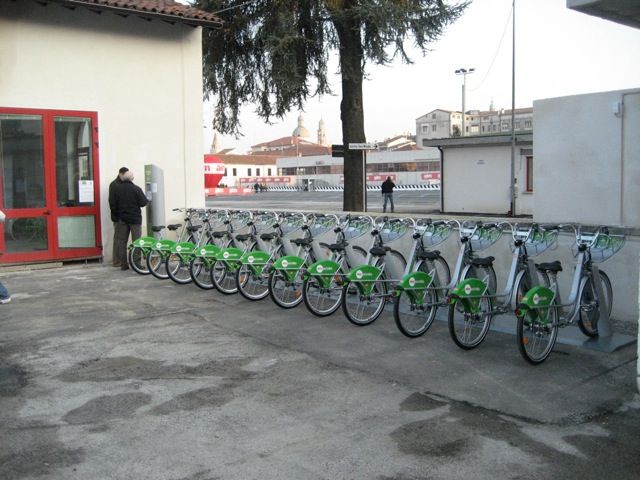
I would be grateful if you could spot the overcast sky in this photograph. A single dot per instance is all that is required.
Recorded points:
(558, 52)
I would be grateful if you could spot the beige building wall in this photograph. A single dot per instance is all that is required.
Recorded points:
(143, 78)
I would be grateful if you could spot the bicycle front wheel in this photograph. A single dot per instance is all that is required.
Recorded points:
(322, 301)
(363, 309)
(157, 265)
(252, 286)
(284, 292)
(537, 334)
(178, 269)
(469, 326)
(138, 260)
(200, 272)
(413, 318)
(590, 304)
(223, 279)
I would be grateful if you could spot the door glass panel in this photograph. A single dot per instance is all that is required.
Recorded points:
(26, 234)
(22, 161)
(74, 165)
(77, 232)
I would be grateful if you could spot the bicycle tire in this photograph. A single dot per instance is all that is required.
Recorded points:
(413, 319)
(252, 286)
(178, 269)
(137, 257)
(200, 273)
(536, 339)
(590, 307)
(156, 265)
(361, 310)
(285, 293)
(471, 322)
(223, 279)
(322, 301)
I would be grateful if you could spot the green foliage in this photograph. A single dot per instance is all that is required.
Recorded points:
(274, 54)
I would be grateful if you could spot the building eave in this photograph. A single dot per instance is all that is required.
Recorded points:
(479, 140)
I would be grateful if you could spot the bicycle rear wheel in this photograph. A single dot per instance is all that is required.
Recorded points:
(469, 327)
(252, 286)
(590, 304)
(284, 292)
(223, 278)
(537, 337)
(322, 301)
(414, 316)
(200, 272)
(157, 265)
(178, 269)
(138, 260)
(362, 309)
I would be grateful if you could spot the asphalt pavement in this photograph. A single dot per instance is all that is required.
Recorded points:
(111, 375)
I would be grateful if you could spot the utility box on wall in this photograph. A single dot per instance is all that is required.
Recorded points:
(154, 190)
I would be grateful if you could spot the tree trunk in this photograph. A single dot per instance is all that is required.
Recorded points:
(351, 112)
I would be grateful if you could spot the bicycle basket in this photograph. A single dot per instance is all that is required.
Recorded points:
(291, 222)
(606, 246)
(217, 218)
(322, 224)
(436, 234)
(356, 228)
(484, 237)
(240, 219)
(390, 231)
(264, 221)
(538, 242)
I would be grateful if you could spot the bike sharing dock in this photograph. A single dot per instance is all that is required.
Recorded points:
(98, 364)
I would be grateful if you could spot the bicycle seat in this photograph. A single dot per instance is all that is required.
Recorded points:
(302, 241)
(429, 255)
(194, 228)
(378, 251)
(268, 236)
(337, 247)
(482, 262)
(219, 233)
(157, 228)
(173, 227)
(243, 237)
(550, 266)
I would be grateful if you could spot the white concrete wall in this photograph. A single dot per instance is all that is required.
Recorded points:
(144, 79)
(477, 180)
(587, 158)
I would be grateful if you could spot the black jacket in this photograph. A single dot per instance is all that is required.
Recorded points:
(388, 186)
(128, 198)
(112, 198)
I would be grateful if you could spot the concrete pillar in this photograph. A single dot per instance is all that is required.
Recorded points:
(638, 344)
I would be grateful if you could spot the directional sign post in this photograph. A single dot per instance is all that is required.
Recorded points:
(364, 147)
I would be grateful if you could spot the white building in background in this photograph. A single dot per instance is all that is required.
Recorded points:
(446, 123)
(86, 88)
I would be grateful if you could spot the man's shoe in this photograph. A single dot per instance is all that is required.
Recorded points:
(124, 267)
(116, 265)
(5, 300)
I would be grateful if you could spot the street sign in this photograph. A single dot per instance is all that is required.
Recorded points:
(337, 150)
(363, 146)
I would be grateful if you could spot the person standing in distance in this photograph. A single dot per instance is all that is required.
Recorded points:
(114, 218)
(4, 293)
(129, 199)
(387, 193)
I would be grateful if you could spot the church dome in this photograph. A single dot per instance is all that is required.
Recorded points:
(300, 130)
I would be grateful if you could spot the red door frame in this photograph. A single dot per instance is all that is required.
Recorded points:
(52, 211)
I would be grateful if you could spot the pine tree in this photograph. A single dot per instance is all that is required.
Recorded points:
(274, 54)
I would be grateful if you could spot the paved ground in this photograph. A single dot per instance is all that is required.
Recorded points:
(423, 202)
(110, 375)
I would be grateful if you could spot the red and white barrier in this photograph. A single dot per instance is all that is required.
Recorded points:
(213, 192)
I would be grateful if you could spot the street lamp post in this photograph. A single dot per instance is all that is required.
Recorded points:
(464, 72)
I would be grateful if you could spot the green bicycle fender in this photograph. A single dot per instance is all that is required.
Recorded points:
(323, 270)
(230, 254)
(255, 257)
(364, 278)
(470, 292)
(415, 284)
(535, 302)
(183, 248)
(143, 242)
(163, 245)
(289, 264)
(208, 251)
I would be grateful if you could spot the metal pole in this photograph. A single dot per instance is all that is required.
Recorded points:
(364, 180)
(512, 188)
(464, 88)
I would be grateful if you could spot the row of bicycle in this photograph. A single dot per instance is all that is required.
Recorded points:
(282, 255)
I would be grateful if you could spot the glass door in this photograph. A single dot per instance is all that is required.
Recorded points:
(48, 163)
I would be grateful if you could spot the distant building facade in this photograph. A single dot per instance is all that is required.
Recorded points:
(441, 123)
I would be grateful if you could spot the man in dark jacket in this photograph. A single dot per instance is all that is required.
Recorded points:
(114, 217)
(387, 193)
(129, 198)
